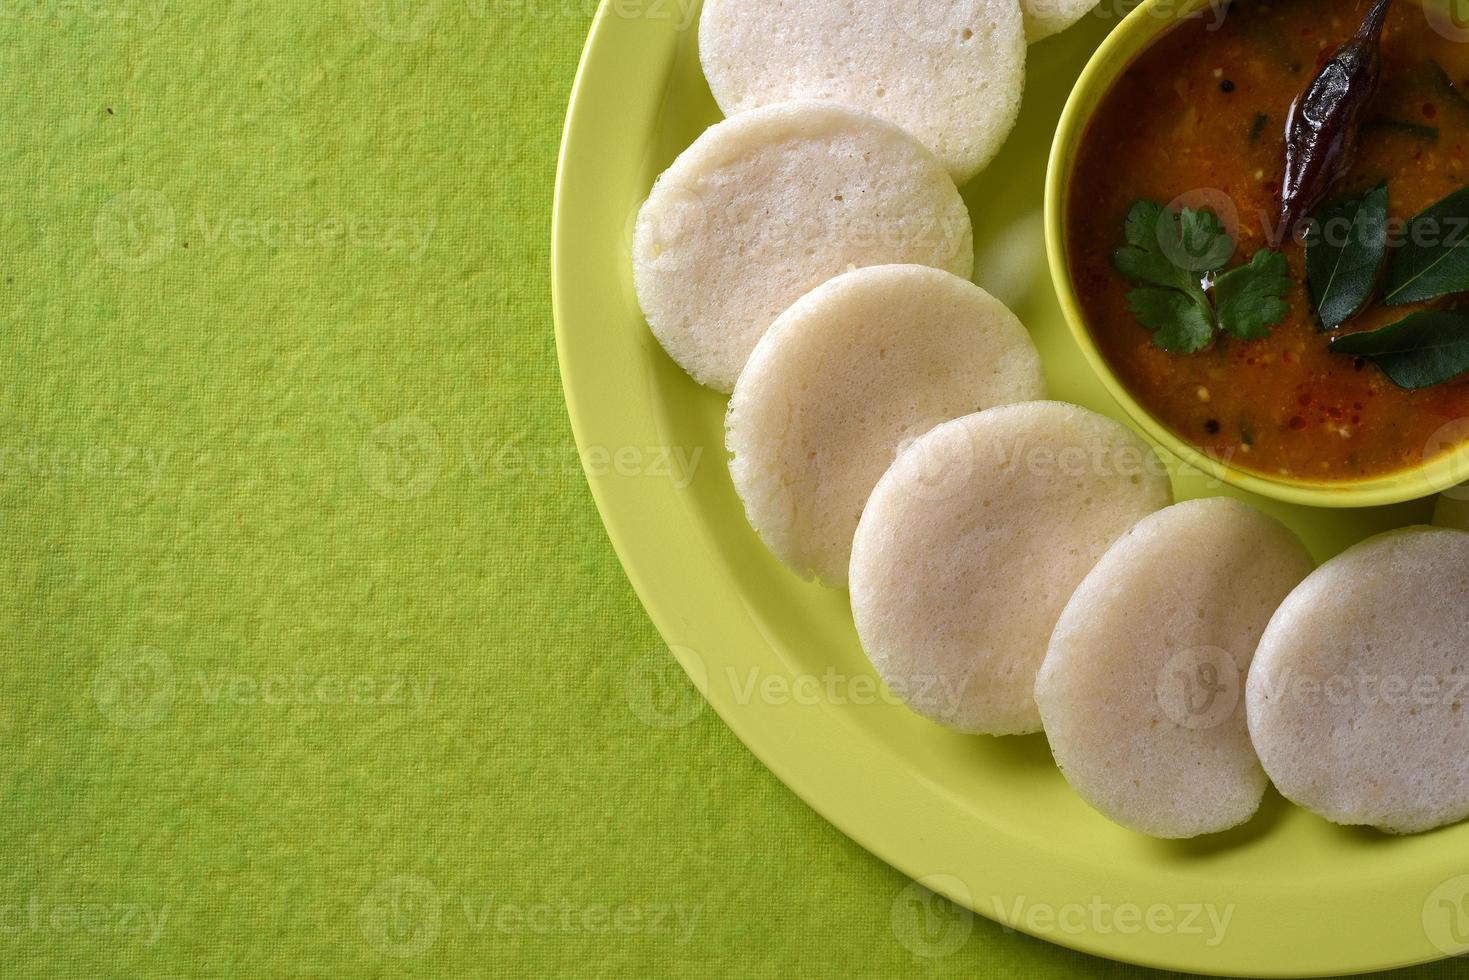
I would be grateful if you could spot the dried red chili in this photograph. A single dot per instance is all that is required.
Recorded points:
(1321, 128)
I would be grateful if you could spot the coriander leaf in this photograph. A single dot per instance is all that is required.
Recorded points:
(1205, 246)
(1143, 221)
(1434, 257)
(1345, 246)
(1178, 323)
(1419, 351)
(1155, 253)
(1251, 298)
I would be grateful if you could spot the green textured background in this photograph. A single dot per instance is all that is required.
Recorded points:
(317, 660)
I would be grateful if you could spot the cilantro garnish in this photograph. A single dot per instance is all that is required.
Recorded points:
(1188, 297)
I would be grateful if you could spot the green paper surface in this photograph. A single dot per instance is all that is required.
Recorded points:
(317, 660)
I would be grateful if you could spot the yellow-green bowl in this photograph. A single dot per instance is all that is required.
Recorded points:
(1438, 472)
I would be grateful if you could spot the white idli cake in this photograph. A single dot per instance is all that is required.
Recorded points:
(972, 543)
(766, 206)
(950, 73)
(856, 369)
(1046, 17)
(1142, 688)
(1358, 698)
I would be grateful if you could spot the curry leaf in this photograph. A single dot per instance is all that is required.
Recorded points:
(1345, 246)
(1420, 350)
(1434, 257)
(1178, 323)
(1251, 298)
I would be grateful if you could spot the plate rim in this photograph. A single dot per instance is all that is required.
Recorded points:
(815, 781)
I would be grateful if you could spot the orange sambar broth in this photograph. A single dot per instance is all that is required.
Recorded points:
(1203, 110)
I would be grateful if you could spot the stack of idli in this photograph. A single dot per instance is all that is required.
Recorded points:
(1015, 564)
(853, 371)
(850, 124)
(974, 540)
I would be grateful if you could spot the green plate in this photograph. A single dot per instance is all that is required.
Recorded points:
(987, 822)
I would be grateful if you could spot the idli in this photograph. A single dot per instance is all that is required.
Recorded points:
(854, 370)
(1046, 17)
(1357, 696)
(973, 541)
(1141, 691)
(768, 205)
(949, 73)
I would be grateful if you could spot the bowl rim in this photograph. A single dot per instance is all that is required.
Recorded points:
(1144, 23)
